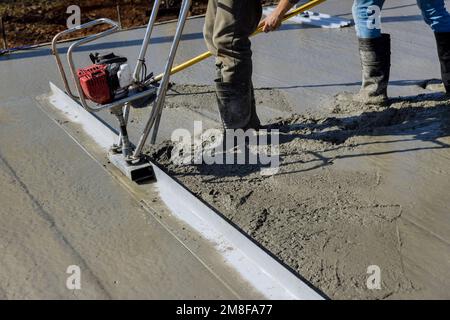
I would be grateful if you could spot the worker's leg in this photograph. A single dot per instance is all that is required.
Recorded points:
(375, 53)
(235, 21)
(436, 16)
(208, 28)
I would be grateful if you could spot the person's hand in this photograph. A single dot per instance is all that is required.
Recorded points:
(272, 22)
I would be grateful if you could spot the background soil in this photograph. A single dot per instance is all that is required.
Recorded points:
(29, 22)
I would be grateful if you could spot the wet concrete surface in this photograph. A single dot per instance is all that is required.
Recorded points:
(342, 198)
(60, 208)
(373, 198)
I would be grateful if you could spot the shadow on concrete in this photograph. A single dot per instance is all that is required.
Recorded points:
(400, 83)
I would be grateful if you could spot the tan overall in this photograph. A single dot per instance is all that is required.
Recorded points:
(228, 26)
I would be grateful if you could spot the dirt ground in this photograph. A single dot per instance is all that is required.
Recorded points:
(29, 22)
(322, 213)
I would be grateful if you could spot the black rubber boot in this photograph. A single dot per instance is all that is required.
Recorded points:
(375, 57)
(234, 102)
(443, 48)
(237, 105)
(254, 123)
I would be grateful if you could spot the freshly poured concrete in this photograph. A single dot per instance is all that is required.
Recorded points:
(404, 170)
(338, 203)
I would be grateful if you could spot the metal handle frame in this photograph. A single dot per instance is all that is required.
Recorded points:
(155, 116)
(148, 33)
(113, 27)
(77, 81)
(141, 59)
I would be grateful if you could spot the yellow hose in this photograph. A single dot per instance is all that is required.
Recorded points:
(208, 54)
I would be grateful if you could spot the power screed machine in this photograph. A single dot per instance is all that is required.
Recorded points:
(110, 84)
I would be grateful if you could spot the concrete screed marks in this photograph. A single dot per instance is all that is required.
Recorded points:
(320, 214)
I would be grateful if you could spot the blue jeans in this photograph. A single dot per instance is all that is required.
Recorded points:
(365, 13)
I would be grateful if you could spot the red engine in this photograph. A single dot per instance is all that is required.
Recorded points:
(107, 80)
(95, 84)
